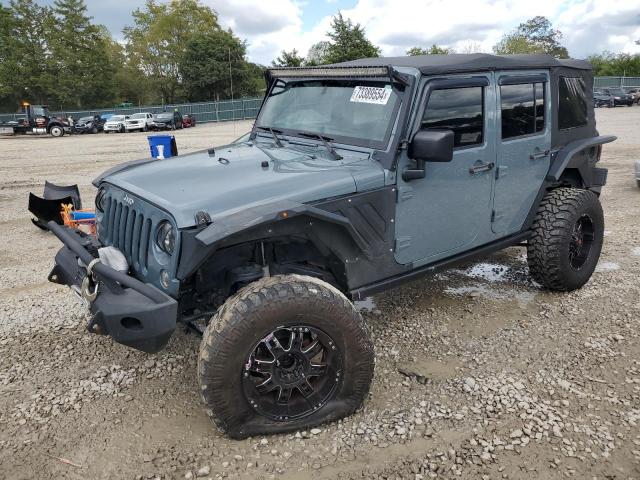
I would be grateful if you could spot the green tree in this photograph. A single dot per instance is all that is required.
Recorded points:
(434, 50)
(536, 35)
(348, 41)
(288, 59)
(317, 54)
(80, 57)
(214, 67)
(615, 65)
(130, 83)
(28, 60)
(6, 57)
(157, 42)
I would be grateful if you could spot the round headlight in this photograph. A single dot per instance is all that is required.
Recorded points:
(101, 199)
(166, 238)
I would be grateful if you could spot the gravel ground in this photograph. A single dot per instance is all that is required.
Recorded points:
(480, 374)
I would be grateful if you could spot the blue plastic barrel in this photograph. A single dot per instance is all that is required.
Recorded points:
(168, 142)
(83, 215)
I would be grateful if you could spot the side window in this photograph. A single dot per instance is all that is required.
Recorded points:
(522, 108)
(457, 109)
(572, 103)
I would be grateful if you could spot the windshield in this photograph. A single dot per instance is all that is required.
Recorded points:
(116, 118)
(138, 115)
(41, 111)
(352, 111)
(86, 119)
(617, 91)
(164, 115)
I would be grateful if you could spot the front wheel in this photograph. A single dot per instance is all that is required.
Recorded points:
(285, 353)
(567, 237)
(56, 131)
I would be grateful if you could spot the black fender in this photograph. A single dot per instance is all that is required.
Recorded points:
(328, 231)
(570, 157)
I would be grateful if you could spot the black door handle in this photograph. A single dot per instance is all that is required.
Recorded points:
(485, 167)
(535, 156)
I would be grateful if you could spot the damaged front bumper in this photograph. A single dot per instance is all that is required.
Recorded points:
(131, 312)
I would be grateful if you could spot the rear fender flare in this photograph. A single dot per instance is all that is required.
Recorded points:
(569, 157)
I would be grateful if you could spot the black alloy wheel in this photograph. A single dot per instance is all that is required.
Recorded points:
(581, 242)
(292, 372)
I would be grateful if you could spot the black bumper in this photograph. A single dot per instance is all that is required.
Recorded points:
(133, 313)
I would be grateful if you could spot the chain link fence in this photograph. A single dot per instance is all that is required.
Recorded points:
(244, 108)
(241, 109)
(611, 82)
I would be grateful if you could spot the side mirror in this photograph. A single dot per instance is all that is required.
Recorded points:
(428, 146)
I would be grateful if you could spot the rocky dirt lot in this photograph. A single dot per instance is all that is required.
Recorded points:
(480, 374)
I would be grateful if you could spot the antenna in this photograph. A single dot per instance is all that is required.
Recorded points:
(231, 84)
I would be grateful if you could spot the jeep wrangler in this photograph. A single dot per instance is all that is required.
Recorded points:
(356, 178)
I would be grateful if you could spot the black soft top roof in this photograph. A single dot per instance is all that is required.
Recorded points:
(454, 63)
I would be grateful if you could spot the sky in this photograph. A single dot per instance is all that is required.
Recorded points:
(269, 26)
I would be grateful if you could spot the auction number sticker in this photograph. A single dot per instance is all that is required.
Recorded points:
(379, 96)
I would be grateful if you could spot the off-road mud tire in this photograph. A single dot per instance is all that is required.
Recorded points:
(254, 312)
(549, 246)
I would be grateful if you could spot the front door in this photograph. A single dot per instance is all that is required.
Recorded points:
(523, 146)
(449, 210)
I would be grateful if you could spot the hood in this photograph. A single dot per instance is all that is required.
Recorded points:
(234, 178)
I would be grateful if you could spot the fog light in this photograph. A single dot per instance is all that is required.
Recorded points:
(164, 279)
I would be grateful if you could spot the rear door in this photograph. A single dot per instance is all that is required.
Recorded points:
(523, 148)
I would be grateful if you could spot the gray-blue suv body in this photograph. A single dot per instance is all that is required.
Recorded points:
(356, 178)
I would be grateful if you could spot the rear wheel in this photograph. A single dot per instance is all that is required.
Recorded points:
(285, 353)
(567, 238)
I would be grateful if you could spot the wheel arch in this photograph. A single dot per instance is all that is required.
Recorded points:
(574, 164)
(318, 236)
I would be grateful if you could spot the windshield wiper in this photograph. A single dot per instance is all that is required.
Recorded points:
(273, 134)
(325, 141)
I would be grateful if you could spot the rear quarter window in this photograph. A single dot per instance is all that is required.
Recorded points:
(572, 103)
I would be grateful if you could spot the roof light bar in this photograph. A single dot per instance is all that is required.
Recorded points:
(329, 72)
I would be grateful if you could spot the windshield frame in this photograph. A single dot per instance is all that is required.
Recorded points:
(401, 91)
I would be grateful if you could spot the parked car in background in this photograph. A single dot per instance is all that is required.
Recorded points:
(167, 121)
(635, 93)
(139, 121)
(92, 124)
(124, 105)
(115, 124)
(620, 97)
(188, 121)
(601, 99)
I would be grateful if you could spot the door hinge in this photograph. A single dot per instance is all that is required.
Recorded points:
(493, 216)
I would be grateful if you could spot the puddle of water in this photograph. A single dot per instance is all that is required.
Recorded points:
(491, 272)
(368, 304)
(482, 291)
(607, 267)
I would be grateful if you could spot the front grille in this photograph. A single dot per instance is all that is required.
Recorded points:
(129, 231)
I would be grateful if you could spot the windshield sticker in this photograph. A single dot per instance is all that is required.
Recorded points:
(379, 96)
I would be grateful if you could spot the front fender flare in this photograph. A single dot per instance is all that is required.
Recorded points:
(264, 221)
